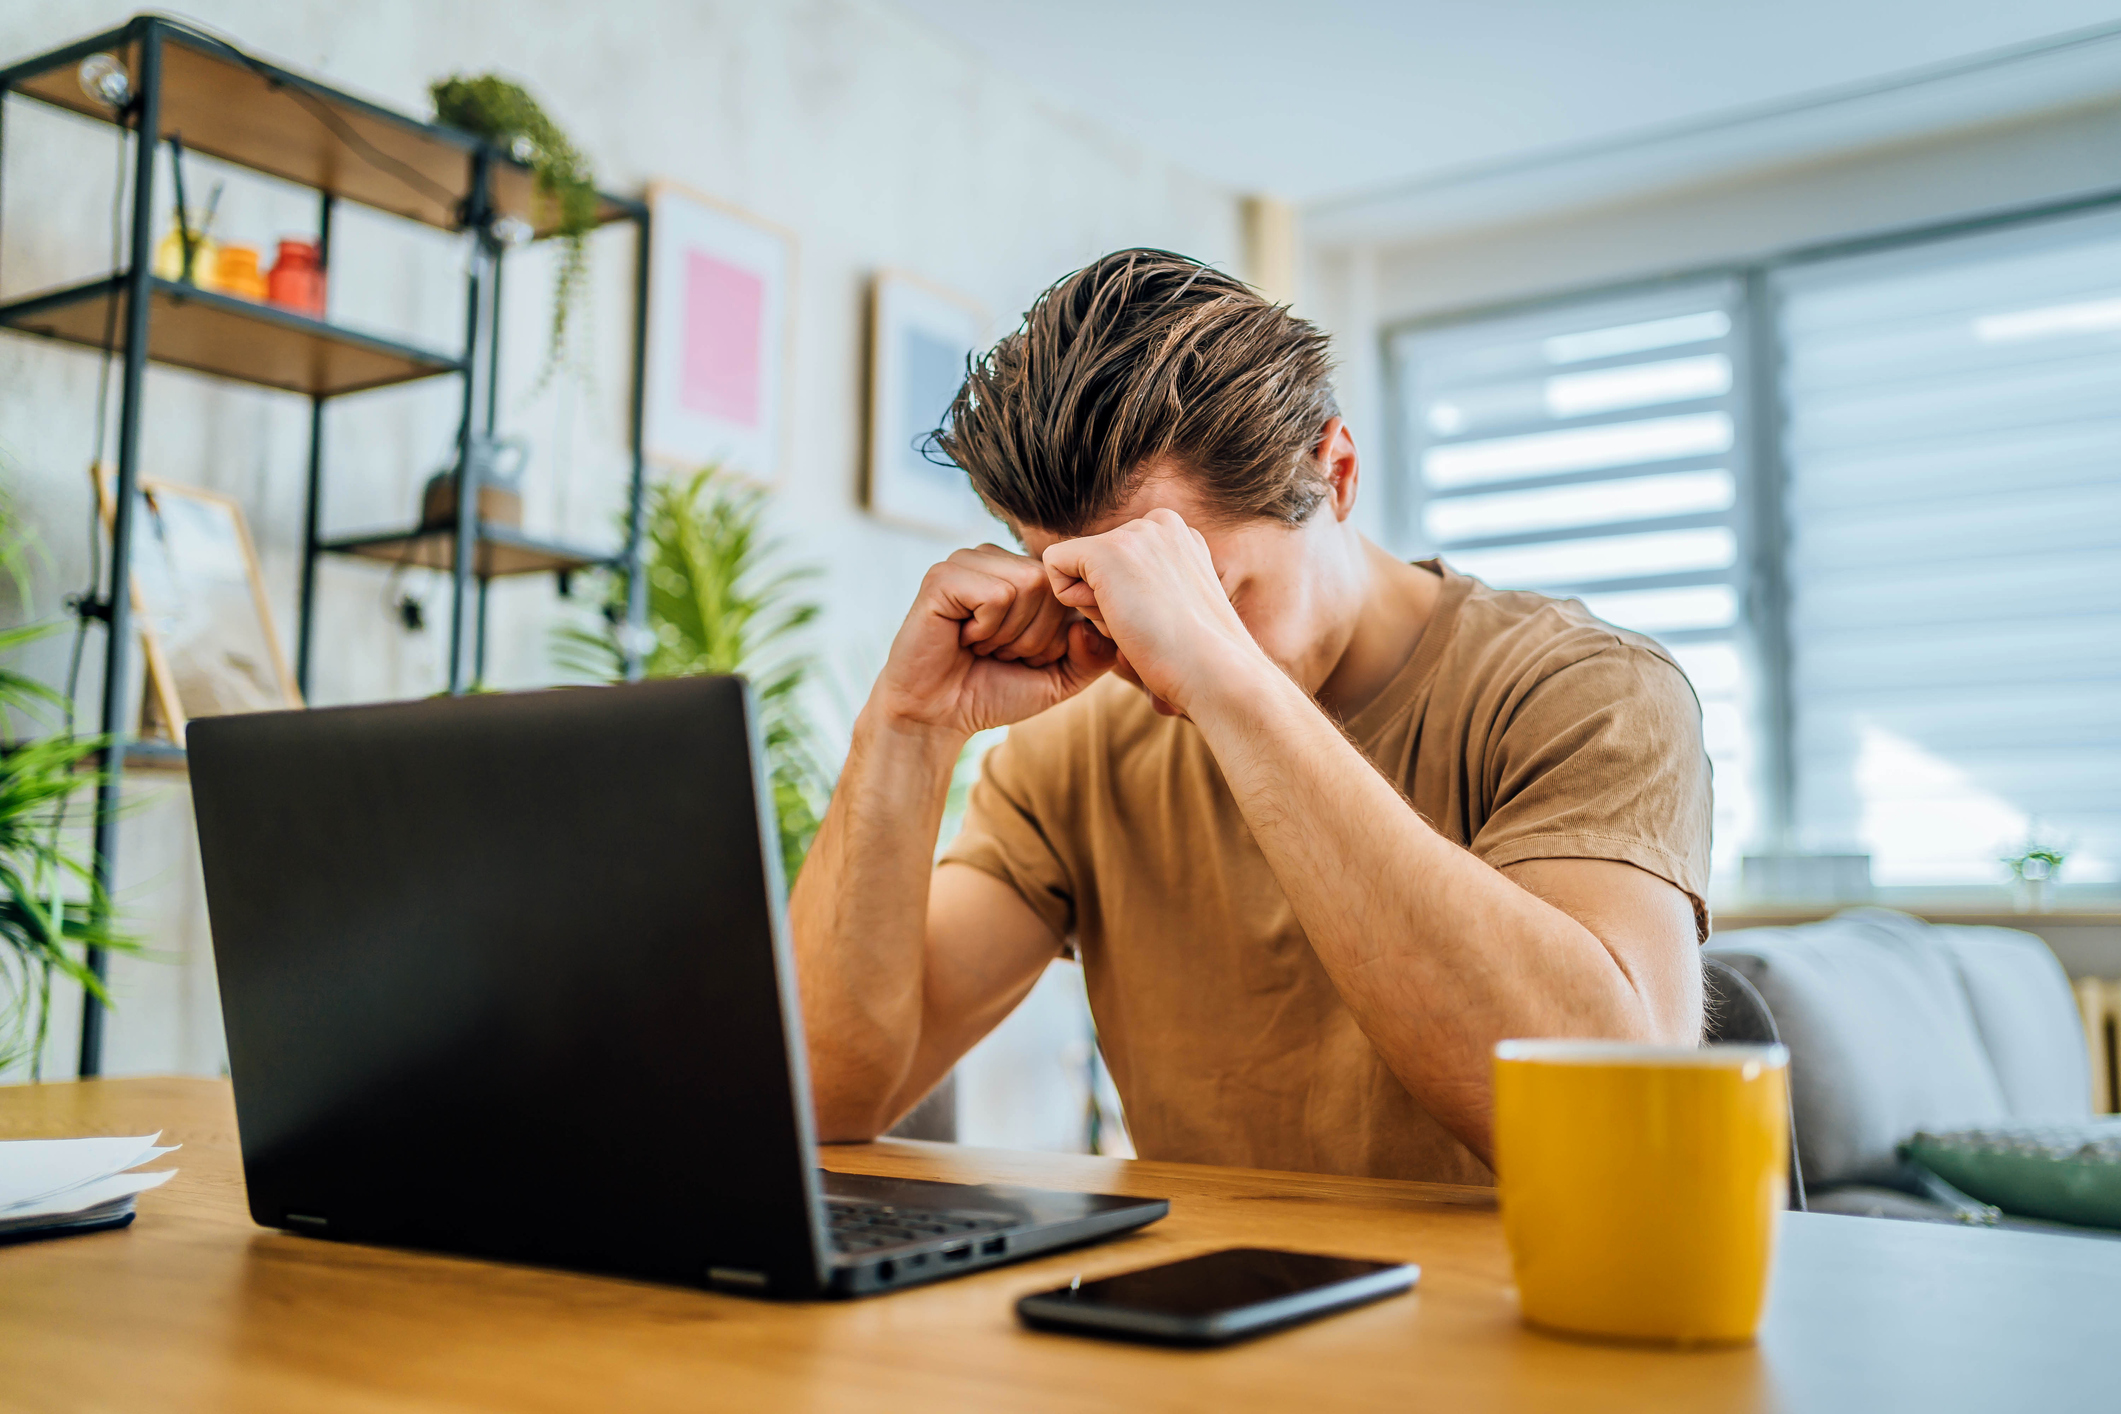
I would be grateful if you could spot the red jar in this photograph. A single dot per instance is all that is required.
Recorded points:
(295, 282)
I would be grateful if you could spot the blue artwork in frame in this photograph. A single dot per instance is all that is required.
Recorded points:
(920, 339)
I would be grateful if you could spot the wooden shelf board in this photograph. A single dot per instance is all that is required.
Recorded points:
(270, 120)
(502, 551)
(230, 338)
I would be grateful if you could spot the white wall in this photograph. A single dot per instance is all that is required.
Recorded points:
(1744, 214)
(877, 141)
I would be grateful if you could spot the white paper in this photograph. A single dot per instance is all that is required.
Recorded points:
(33, 1170)
(82, 1196)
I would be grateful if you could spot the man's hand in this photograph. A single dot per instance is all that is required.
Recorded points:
(1152, 588)
(987, 644)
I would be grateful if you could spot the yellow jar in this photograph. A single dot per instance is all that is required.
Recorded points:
(169, 257)
(1642, 1187)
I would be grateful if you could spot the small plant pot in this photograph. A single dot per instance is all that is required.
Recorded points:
(2031, 895)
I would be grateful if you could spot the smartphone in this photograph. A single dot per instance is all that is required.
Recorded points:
(1215, 1298)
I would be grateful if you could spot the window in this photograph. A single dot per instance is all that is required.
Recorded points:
(1593, 450)
(1953, 449)
(1937, 615)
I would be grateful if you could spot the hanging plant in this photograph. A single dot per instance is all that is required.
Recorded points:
(502, 113)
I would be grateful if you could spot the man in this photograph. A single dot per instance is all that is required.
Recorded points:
(1322, 826)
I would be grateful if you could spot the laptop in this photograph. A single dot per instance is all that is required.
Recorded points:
(510, 976)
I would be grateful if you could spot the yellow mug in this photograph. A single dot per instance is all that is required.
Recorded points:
(1642, 1186)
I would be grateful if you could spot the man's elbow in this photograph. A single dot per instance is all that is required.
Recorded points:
(1644, 1021)
(848, 1114)
(842, 1124)
(853, 1088)
(1672, 1020)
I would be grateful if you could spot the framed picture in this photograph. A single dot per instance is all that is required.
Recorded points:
(205, 626)
(719, 291)
(919, 339)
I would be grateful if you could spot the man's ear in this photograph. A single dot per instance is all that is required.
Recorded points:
(1342, 468)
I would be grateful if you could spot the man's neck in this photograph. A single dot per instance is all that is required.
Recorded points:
(1398, 601)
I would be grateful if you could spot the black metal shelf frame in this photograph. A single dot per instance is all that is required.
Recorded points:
(443, 177)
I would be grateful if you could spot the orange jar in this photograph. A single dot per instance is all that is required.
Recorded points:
(296, 283)
(236, 273)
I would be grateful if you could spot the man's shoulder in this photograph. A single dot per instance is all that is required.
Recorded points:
(1519, 634)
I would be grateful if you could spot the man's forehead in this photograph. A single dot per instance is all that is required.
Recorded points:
(1164, 486)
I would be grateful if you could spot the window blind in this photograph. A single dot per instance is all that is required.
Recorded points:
(1593, 449)
(1953, 452)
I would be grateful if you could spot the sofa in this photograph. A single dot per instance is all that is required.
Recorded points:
(1896, 1026)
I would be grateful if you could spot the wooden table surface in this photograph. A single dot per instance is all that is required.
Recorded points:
(194, 1308)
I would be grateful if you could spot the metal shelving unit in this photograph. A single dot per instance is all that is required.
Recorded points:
(184, 86)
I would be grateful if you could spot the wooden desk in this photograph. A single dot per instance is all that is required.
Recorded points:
(193, 1308)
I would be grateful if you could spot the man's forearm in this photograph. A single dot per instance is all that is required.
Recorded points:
(1436, 954)
(859, 915)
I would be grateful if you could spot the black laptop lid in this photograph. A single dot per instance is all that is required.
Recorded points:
(508, 974)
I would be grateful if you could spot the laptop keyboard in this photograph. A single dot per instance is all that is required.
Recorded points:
(868, 1227)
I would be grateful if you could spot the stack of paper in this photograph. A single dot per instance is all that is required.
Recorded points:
(73, 1185)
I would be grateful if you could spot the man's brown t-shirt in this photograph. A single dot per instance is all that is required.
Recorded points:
(1522, 728)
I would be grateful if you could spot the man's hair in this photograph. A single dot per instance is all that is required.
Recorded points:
(1145, 356)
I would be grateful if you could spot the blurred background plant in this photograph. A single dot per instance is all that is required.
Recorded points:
(720, 600)
(52, 910)
(2033, 871)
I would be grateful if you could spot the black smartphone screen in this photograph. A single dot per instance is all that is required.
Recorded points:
(1224, 1281)
(1217, 1296)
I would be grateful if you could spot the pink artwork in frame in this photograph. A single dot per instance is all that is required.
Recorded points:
(715, 377)
(722, 347)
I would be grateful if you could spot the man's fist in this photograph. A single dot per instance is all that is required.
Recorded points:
(987, 644)
(1153, 588)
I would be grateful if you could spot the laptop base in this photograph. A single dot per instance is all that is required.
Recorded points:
(950, 1228)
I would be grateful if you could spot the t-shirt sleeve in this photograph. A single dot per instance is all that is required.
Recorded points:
(1007, 823)
(1603, 759)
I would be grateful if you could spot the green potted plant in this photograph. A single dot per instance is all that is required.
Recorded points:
(2033, 869)
(52, 909)
(719, 602)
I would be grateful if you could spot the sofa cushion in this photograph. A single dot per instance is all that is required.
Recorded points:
(2067, 1172)
(1883, 1039)
(2027, 1017)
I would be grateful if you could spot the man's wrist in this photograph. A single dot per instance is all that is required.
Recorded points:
(881, 730)
(1252, 686)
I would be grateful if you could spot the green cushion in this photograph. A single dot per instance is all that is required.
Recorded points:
(2068, 1172)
